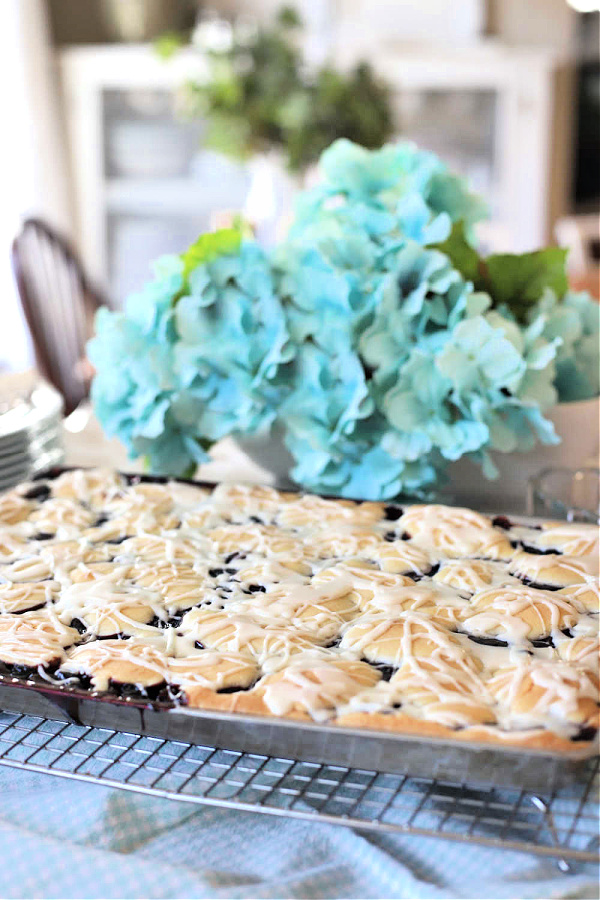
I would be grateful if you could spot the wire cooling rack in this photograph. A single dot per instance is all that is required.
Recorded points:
(563, 824)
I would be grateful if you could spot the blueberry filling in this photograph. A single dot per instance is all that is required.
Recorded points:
(256, 520)
(117, 636)
(78, 625)
(335, 642)
(127, 689)
(171, 694)
(537, 551)
(386, 671)
(235, 689)
(417, 576)
(543, 642)
(199, 645)
(20, 670)
(255, 588)
(538, 585)
(80, 680)
(39, 492)
(214, 573)
(17, 669)
(43, 536)
(390, 536)
(29, 609)
(392, 513)
(502, 522)
(487, 641)
(230, 571)
(231, 557)
(586, 733)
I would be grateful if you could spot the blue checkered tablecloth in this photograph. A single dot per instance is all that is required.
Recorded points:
(65, 839)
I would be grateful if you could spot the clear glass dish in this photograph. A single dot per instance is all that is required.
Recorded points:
(570, 494)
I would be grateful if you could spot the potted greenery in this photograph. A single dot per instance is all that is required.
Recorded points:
(261, 103)
(374, 342)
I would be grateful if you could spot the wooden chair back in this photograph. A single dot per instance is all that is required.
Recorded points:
(58, 303)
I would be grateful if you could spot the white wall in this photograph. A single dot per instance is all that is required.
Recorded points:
(32, 161)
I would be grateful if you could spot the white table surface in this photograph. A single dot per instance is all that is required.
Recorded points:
(90, 447)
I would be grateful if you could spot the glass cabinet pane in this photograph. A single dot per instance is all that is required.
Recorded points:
(143, 137)
(162, 188)
(458, 125)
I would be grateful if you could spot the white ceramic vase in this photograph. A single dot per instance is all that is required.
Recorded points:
(270, 196)
(577, 424)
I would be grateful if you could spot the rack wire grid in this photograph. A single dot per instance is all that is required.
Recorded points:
(562, 824)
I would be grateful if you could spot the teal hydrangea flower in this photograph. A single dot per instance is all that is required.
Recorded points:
(232, 340)
(136, 387)
(191, 358)
(355, 338)
(413, 187)
(574, 323)
(502, 376)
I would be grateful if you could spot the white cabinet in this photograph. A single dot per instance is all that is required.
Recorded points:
(143, 186)
(486, 109)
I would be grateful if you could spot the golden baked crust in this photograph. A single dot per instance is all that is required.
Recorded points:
(429, 620)
(115, 662)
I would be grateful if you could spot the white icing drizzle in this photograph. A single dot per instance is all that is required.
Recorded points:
(207, 669)
(554, 569)
(519, 613)
(558, 689)
(19, 597)
(133, 661)
(455, 532)
(314, 685)
(33, 638)
(293, 591)
(473, 575)
(108, 608)
(29, 568)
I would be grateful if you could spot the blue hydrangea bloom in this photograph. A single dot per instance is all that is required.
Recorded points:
(574, 323)
(355, 338)
(231, 340)
(136, 384)
(413, 186)
(189, 361)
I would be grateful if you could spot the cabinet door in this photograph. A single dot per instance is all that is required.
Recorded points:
(162, 187)
(461, 126)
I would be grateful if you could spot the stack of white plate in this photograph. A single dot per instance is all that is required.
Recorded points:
(30, 428)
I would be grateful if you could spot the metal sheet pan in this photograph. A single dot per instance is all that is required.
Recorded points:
(472, 763)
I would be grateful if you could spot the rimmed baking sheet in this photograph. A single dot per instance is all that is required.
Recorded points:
(472, 762)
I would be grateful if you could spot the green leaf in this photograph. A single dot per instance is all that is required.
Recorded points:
(515, 280)
(461, 254)
(209, 246)
(167, 45)
(288, 17)
(190, 471)
(520, 280)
